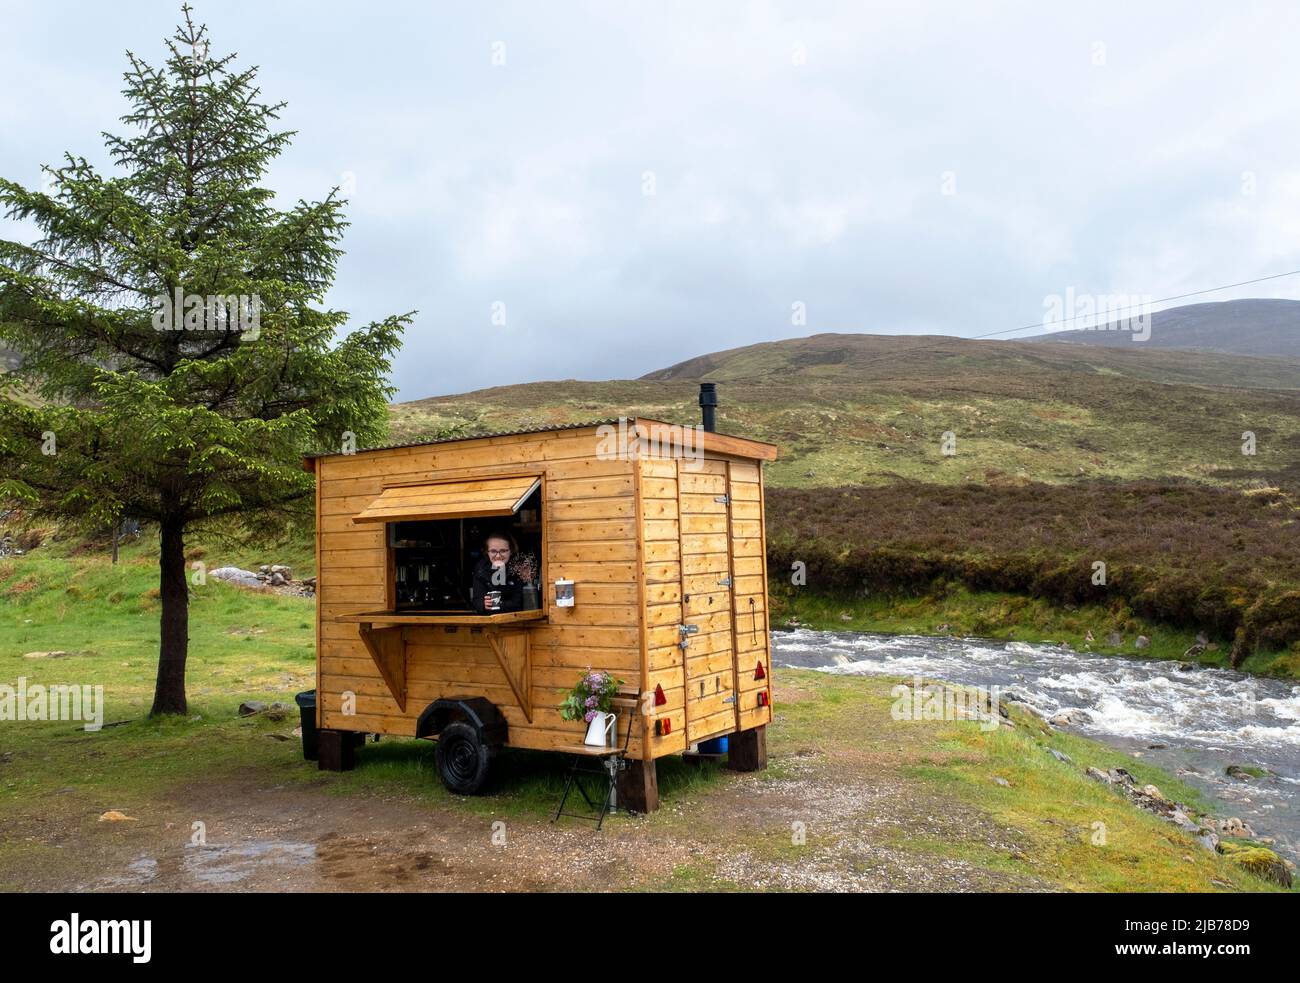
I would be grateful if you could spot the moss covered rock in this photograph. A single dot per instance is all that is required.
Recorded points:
(1260, 861)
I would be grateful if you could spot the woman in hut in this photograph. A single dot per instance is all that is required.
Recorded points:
(497, 586)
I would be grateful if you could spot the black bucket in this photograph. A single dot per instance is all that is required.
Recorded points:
(310, 735)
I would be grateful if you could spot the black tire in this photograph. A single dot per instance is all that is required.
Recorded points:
(463, 759)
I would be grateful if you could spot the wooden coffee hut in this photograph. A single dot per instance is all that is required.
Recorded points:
(649, 540)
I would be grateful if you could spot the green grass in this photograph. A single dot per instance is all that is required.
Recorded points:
(246, 645)
(1050, 804)
(983, 614)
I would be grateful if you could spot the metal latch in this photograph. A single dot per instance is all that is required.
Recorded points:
(725, 581)
(722, 499)
(685, 631)
(729, 699)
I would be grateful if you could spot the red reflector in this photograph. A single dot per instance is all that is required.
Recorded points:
(660, 699)
(758, 672)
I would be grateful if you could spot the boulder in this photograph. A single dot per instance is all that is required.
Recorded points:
(1122, 776)
(1142, 642)
(1098, 775)
(1070, 717)
(1233, 826)
(236, 576)
(1060, 755)
(1260, 861)
(276, 711)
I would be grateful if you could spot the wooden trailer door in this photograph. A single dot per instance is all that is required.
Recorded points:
(707, 621)
(749, 595)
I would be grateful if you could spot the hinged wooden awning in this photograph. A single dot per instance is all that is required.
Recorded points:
(472, 498)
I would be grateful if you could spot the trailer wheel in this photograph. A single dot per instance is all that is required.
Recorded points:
(463, 758)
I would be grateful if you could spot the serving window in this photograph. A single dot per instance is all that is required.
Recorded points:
(435, 536)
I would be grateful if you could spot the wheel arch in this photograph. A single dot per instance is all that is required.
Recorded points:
(477, 711)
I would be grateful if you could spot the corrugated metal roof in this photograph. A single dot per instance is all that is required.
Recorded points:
(475, 436)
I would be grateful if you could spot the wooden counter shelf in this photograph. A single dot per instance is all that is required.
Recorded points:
(385, 634)
(442, 618)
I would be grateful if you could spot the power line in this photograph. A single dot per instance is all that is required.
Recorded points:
(1162, 300)
(923, 347)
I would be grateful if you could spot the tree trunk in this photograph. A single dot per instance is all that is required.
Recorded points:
(169, 690)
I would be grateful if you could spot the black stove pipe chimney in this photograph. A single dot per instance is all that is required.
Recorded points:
(709, 403)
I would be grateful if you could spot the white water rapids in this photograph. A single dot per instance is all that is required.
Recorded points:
(1192, 721)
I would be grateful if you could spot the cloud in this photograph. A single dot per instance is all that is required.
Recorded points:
(638, 184)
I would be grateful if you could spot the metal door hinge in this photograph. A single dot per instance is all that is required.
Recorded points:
(725, 581)
(722, 499)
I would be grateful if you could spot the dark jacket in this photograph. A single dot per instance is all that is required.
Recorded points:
(512, 591)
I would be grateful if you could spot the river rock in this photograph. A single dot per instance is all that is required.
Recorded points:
(997, 780)
(1155, 795)
(1114, 639)
(1210, 841)
(1060, 755)
(1096, 774)
(1142, 642)
(1070, 717)
(1247, 772)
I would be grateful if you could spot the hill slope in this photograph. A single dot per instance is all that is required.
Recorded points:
(1269, 328)
(849, 409)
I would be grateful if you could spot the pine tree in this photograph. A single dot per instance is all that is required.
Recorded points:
(176, 354)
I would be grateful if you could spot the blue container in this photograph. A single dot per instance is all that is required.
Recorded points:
(716, 746)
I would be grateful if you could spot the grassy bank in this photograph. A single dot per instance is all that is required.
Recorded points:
(1165, 559)
(1003, 616)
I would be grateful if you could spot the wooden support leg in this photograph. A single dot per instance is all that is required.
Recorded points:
(338, 750)
(638, 786)
(747, 750)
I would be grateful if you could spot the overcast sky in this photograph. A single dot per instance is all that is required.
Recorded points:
(636, 184)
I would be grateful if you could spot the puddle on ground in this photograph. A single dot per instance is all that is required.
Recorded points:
(230, 863)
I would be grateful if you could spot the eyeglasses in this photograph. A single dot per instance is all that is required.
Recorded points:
(504, 552)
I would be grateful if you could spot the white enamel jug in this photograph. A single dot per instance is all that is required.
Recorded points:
(600, 732)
